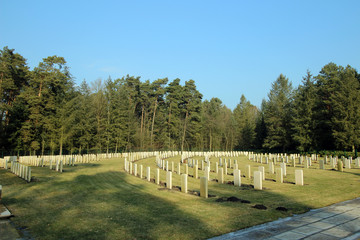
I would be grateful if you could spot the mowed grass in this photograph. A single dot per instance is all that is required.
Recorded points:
(99, 200)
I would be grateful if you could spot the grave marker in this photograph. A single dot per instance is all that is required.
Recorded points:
(283, 166)
(221, 175)
(279, 175)
(237, 177)
(248, 171)
(340, 166)
(207, 173)
(203, 187)
(184, 183)
(347, 163)
(262, 170)
(299, 177)
(157, 177)
(258, 178)
(196, 173)
(169, 180)
(148, 173)
(271, 168)
(135, 169)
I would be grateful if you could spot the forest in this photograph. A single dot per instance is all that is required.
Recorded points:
(44, 112)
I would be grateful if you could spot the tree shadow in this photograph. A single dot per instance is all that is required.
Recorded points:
(100, 206)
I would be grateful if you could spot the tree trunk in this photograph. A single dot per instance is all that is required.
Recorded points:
(40, 87)
(152, 125)
(169, 122)
(210, 141)
(61, 140)
(184, 132)
(42, 147)
(141, 127)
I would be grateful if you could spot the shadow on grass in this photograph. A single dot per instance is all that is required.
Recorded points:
(100, 206)
(276, 205)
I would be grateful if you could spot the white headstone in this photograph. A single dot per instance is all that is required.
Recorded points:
(279, 175)
(283, 166)
(135, 169)
(184, 183)
(271, 168)
(248, 171)
(148, 177)
(262, 170)
(237, 177)
(141, 171)
(221, 175)
(157, 176)
(347, 163)
(203, 187)
(258, 180)
(299, 177)
(169, 180)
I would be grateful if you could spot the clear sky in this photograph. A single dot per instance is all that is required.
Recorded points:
(228, 47)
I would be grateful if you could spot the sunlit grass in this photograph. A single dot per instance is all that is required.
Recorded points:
(100, 201)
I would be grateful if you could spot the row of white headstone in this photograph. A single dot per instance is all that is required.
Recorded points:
(131, 168)
(21, 170)
(40, 161)
(259, 176)
(224, 171)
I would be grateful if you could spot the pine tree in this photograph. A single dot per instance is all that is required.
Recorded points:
(245, 117)
(13, 78)
(339, 107)
(277, 114)
(303, 121)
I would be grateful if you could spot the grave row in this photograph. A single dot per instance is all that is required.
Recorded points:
(307, 161)
(184, 178)
(21, 170)
(164, 165)
(259, 176)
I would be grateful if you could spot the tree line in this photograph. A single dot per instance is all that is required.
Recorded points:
(43, 111)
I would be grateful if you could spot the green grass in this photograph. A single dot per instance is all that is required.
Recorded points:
(100, 201)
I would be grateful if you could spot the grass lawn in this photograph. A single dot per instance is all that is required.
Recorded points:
(99, 200)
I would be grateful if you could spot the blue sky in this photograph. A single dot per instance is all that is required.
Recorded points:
(228, 47)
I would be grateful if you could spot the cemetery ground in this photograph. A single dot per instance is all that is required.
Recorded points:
(99, 200)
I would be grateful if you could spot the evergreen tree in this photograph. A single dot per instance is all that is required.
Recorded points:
(303, 120)
(260, 128)
(245, 115)
(338, 111)
(277, 115)
(174, 95)
(49, 84)
(213, 117)
(13, 78)
(191, 117)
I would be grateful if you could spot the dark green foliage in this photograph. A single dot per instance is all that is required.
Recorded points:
(303, 117)
(43, 112)
(245, 115)
(277, 115)
(338, 107)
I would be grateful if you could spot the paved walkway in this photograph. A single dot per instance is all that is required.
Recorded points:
(338, 221)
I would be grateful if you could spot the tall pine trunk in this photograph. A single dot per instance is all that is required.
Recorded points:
(141, 127)
(184, 132)
(61, 140)
(152, 126)
(169, 122)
